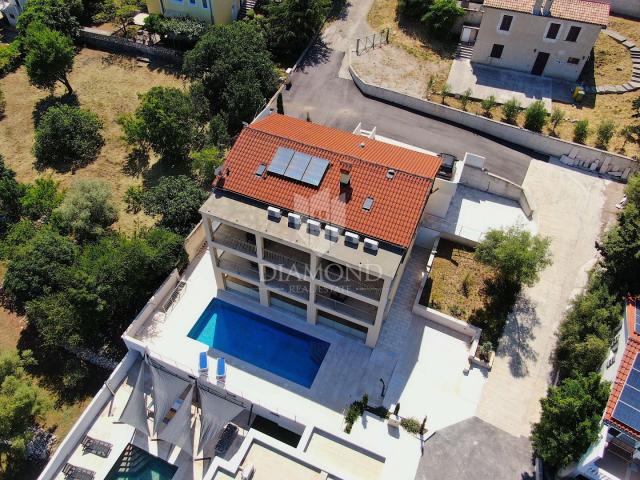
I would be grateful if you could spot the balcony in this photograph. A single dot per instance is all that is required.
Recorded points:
(287, 284)
(353, 281)
(239, 266)
(346, 305)
(287, 257)
(235, 239)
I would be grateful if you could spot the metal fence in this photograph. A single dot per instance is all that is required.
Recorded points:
(372, 41)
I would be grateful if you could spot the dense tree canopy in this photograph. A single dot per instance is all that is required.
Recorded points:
(167, 121)
(39, 266)
(175, 199)
(87, 209)
(570, 420)
(67, 137)
(41, 198)
(235, 69)
(10, 193)
(58, 15)
(441, 15)
(49, 57)
(291, 23)
(518, 255)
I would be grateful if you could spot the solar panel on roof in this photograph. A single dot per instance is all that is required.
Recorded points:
(315, 171)
(637, 316)
(280, 161)
(297, 166)
(627, 409)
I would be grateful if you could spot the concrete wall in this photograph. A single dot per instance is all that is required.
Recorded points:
(587, 158)
(630, 8)
(526, 39)
(73, 438)
(472, 16)
(195, 241)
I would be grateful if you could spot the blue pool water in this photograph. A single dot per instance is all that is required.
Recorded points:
(136, 464)
(271, 346)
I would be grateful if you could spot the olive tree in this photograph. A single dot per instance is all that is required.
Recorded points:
(49, 57)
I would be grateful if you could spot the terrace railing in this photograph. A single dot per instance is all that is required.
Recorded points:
(286, 261)
(240, 268)
(362, 314)
(235, 243)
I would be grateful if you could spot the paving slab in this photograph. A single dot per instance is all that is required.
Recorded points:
(615, 35)
(569, 205)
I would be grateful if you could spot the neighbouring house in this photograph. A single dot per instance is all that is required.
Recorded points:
(209, 11)
(616, 454)
(11, 9)
(553, 38)
(318, 220)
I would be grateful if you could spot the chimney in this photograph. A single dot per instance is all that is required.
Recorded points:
(537, 7)
(345, 176)
(546, 11)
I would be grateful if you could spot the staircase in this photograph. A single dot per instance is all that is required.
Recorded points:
(247, 5)
(464, 50)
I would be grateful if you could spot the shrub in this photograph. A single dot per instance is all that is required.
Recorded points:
(355, 411)
(467, 283)
(581, 131)
(10, 57)
(464, 99)
(431, 83)
(487, 104)
(441, 16)
(556, 118)
(485, 351)
(185, 29)
(570, 419)
(413, 8)
(411, 425)
(49, 57)
(3, 103)
(604, 133)
(535, 116)
(510, 111)
(41, 198)
(67, 137)
(445, 91)
(204, 164)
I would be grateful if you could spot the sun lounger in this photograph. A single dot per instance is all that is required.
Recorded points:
(203, 364)
(226, 439)
(97, 447)
(71, 472)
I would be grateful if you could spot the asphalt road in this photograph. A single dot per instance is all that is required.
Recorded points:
(317, 90)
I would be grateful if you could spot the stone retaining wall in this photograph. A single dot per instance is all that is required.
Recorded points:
(580, 156)
(105, 41)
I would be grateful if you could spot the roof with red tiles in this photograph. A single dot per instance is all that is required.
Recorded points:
(624, 369)
(398, 203)
(587, 11)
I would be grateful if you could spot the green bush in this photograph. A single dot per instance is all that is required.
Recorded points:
(441, 16)
(581, 131)
(535, 116)
(487, 104)
(510, 111)
(3, 103)
(604, 133)
(556, 118)
(411, 425)
(10, 58)
(464, 99)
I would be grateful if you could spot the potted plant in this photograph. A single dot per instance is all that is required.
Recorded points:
(394, 418)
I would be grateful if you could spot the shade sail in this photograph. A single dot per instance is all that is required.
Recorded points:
(166, 389)
(178, 431)
(135, 411)
(215, 413)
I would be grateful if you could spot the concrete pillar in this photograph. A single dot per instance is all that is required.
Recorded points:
(259, 246)
(374, 330)
(213, 253)
(312, 311)
(264, 294)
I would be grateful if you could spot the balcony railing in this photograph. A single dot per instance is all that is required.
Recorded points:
(295, 288)
(363, 314)
(366, 289)
(286, 261)
(235, 243)
(240, 268)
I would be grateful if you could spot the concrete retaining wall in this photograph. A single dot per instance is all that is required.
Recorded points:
(104, 41)
(195, 241)
(586, 158)
(73, 438)
(630, 8)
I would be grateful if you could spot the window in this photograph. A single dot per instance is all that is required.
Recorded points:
(505, 25)
(573, 61)
(552, 32)
(496, 50)
(204, 4)
(572, 36)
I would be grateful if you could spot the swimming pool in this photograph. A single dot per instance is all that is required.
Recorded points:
(271, 346)
(136, 464)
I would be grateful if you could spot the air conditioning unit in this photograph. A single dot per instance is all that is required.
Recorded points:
(331, 233)
(294, 220)
(274, 213)
(351, 238)
(371, 244)
(313, 226)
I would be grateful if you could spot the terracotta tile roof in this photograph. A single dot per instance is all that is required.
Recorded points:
(630, 352)
(587, 11)
(397, 203)
(596, 12)
(525, 6)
